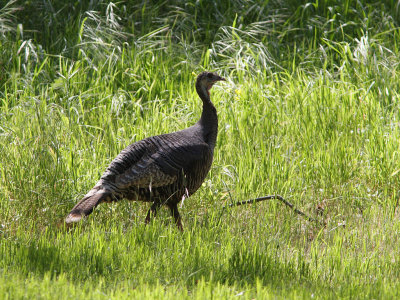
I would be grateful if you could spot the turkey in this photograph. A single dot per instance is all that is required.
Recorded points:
(162, 169)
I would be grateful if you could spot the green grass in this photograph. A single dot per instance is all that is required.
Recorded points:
(310, 110)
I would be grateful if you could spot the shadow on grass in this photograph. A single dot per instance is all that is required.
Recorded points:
(156, 262)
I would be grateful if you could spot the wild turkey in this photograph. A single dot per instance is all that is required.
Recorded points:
(161, 169)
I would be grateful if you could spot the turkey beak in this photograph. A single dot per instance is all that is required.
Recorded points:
(219, 78)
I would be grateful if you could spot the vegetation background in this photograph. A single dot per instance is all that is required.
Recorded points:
(310, 110)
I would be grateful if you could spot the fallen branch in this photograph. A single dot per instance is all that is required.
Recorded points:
(270, 197)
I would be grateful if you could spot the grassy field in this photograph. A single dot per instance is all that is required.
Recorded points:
(310, 111)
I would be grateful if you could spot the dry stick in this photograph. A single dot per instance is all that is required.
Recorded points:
(269, 197)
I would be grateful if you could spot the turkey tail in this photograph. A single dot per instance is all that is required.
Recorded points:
(86, 205)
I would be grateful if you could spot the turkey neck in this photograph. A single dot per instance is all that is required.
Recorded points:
(209, 118)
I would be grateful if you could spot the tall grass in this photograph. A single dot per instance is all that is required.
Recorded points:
(310, 110)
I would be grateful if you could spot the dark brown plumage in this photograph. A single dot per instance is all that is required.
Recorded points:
(162, 169)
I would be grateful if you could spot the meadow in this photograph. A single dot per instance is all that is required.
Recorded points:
(310, 111)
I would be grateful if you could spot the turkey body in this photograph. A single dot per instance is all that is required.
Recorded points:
(162, 169)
